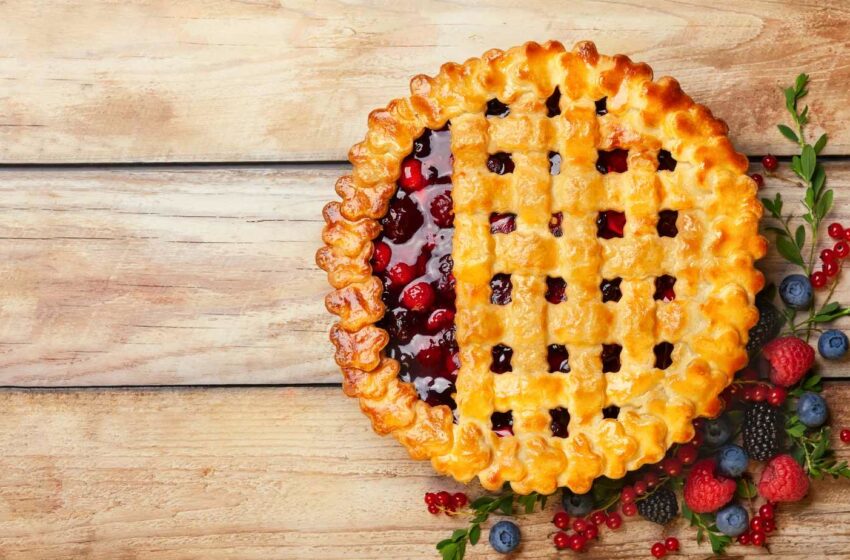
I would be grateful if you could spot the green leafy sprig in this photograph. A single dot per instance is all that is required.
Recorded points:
(706, 527)
(817, 203)
(454, 547)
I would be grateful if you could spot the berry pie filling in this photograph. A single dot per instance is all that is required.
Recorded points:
(413, 259)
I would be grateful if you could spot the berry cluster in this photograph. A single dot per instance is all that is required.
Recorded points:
(443, 502)
(586, 527)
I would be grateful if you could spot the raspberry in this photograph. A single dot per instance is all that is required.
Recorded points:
(790, 358)
(704, 492)
(783, 480)
(761, 431)
(659, 507)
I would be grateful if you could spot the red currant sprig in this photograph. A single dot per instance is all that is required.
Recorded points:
(443, 502)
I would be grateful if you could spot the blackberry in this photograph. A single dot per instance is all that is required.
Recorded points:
(768, 326)
(659, 507)
(761, 431)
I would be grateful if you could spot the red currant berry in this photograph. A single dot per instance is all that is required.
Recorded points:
(444, 499)
(744, 538)
(766, 511)
(614, 520)
(591, 532)
(411, 175)
(640, 487)
(818, 279)
(696, 441)
(759, 393)
(459, 500)
(433, 509)
(628, 495)
(758, 179)
(671, 544)
(672, 466)
(841, 249)
(577, 542)
(827, 255)
(768, 526)
(561, 540)
(658, 550)
(830, 268)
(381, 256)
(777, 396)
(418, 297)
(450, 509)
(561, 520)
(758, 538)
(847, 234)
(770, 162)
(756, 524)
(430, 498)
(845, 435)
(651, 480)
(835, 230)
(687, 454)
(598, 518)
(401, 274)
(579, 525)
(628, 510)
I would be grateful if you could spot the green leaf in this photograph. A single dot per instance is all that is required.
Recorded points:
(800, 85)
(795, 166)
(507, 507)
(788, 250)
(746, 489)
(474, 534)
(482, 501)
(449, 551)
(824, 205)
(788, 133)
(820, 144)
(818, 179)
(796, 431)
(458, 534)
(800, 237)
(808, 160)
(444, 543)
(790, 100)
(718, 542)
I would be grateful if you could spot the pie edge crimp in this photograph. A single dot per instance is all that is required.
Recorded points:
(352, 223)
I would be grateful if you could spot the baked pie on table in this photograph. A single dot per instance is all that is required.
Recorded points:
(542, 265)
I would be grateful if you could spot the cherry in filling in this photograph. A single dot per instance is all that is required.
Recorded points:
(611, 289)
(611, 357)
(503, 423)
(664, 288)
(613, 161)
(413, 260)
(610, 224)
(560, 420)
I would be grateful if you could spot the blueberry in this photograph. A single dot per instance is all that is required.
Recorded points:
(717, 431)
(577, 505)
(733, 520)
(504, 537)
(811, 408)
(732, 460)
(832, 344)
(796, 291)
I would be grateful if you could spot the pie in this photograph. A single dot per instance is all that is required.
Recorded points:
(543, 267)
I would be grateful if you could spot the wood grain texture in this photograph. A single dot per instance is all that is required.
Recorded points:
(183, 276)
(270, 473)
(201, 80)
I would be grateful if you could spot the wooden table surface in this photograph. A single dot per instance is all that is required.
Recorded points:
(167, 385)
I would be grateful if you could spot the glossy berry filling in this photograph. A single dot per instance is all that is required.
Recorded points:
(502, 223)
(500, 163)
(553, 103)
(501, 359)
(611, 289)
(556, 290)
(613, 161)
(500, 289)
(663, 355)
(610, 224)
(502, 423)
(558, 358)
(554, 163)
(496, 108)
(560, 420)
(664, 288)
(611, 358)
(413, 260)
(611, 411)
(666, 225)
(601, 106)
(666, 161)
(555, 222)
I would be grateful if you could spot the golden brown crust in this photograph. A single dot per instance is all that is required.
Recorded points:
(712, 258)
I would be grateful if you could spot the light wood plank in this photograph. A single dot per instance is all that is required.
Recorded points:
(154, 80)
(266, 474)
(186, 276)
